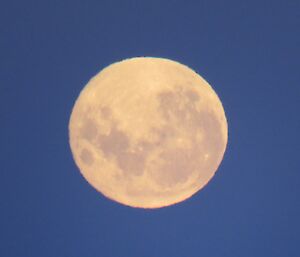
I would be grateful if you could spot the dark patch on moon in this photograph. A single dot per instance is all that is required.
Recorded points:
(106, 113)
(89, 130)
(113, 144)
(132, 162)
(86, 156)
(213, 138)
(192, 95)
(175, 164)
(116, 145)
(178, 163)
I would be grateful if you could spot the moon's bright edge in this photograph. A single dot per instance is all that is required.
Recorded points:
(148, 132)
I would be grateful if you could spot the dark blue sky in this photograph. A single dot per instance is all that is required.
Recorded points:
(248, 51)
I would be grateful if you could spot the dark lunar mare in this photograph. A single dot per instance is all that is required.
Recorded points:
(178, 109)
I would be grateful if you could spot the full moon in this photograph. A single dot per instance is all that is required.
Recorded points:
(148, 132)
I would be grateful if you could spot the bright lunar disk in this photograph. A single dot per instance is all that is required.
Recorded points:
(148, 132)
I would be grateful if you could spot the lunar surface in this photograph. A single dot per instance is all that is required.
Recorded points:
(148, 132)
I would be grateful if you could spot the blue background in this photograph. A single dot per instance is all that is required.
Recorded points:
(248, 51)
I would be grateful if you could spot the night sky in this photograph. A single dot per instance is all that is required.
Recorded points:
(247, 50)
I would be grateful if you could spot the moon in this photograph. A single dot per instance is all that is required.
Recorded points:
(148, 132)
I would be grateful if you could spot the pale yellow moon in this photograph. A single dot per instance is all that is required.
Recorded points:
(148, 132)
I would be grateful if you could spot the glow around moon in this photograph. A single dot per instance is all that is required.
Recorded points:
(148, 132)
